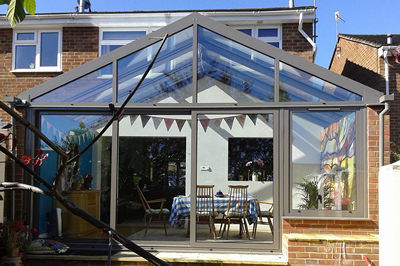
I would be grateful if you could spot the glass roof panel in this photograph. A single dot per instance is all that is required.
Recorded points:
(231, 72)
(93, 87)
(170, 79)
(299, 86)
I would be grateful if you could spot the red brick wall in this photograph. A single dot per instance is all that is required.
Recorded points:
(80, 45)
(332, 253)
(295, 43)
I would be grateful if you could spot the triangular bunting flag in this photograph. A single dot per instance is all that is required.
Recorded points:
(189, 123)
(253, 118)
(241, 119)
(204, 123)
(145, 119)
(180, 123)
(229, 121)
(168, 123)
(133, 118)
(157, 122)
(217, 122)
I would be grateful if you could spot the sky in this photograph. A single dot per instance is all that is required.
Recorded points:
(360, 16)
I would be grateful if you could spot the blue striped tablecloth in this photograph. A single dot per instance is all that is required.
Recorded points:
(181, 208)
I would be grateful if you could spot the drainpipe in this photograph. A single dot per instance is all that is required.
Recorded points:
(314, 45)
(384, 51)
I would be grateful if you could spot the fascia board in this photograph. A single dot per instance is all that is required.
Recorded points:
(132, 19)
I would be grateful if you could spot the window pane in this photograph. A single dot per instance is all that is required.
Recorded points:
(123, 35)
(108, 48)
(324, 163)
(236, 149)
(25, 56)
(250, 159)
(267, 33)
(170, 78)
(153, 155)
(89, 88)
(276, 44)
(85, 181)
(246, 31)
(299, 86)
(230, 72)
(49, 49)
(25, 36)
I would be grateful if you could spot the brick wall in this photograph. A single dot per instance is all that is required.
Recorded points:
(295, 43)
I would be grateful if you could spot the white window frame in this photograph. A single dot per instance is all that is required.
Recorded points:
(37, 42)
(117, 42)
(254, 33)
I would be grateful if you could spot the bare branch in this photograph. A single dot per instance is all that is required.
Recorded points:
(33, 129)
(19, 186)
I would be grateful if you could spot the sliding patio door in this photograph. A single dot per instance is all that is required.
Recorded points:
(234, 149)
(154, 152)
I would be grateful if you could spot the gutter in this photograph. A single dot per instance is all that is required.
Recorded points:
(314, 45)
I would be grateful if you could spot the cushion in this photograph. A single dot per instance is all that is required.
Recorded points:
(44, 246)
(157, 211)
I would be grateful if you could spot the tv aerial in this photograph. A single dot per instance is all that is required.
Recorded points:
(337, 17)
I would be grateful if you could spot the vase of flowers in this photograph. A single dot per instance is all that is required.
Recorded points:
(15, 239)
(252, 167)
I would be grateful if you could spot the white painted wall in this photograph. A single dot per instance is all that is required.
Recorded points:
(389, 214)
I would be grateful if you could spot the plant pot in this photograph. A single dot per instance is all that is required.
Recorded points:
(11, 261)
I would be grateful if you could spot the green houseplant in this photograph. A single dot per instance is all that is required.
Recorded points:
(309, 193)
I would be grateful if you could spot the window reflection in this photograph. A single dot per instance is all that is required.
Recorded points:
(231, 72)
(299, 86)
(323, 157)
(85, 182)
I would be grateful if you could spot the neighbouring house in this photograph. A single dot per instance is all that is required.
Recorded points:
(368, 59)
(233, 98)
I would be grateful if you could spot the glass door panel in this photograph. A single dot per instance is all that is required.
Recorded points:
(234, 150)
(153, 156)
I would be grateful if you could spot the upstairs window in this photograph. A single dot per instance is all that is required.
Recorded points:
(271, 34)
(111, 39)
(115, 38)
(37, 50)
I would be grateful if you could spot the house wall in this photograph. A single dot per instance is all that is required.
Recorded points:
(294, 43)
(361, 63)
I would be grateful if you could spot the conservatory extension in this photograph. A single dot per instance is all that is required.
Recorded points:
(217, 108)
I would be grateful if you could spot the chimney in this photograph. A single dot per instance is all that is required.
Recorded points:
(389, 38)
(291, 3)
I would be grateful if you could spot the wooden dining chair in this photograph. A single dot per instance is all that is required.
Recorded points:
(268, 214)
(161, 212)
(205, 207)
(237, 210)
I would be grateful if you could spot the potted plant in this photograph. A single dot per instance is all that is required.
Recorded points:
(310, 194)
(14, 238)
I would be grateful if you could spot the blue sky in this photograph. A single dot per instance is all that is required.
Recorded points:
(361, 16)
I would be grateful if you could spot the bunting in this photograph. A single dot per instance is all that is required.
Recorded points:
(59, 135)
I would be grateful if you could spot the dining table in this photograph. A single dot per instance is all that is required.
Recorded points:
(181, 208)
